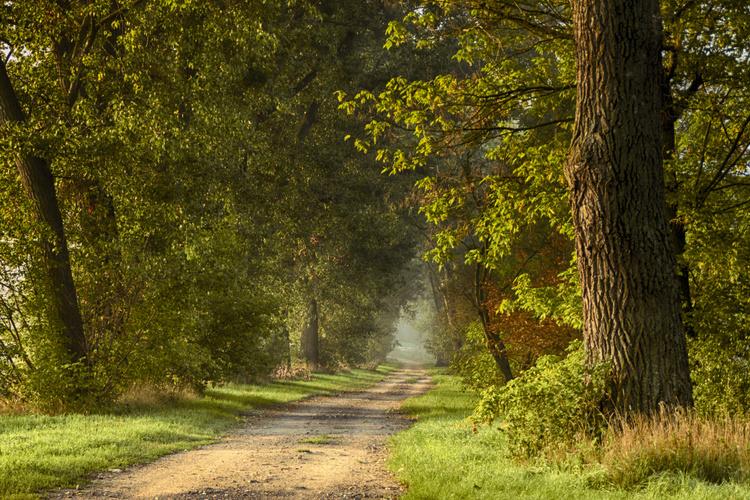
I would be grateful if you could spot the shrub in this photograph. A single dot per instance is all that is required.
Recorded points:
(549, 406)
(474, 363)
(720, 373)
(296, 371)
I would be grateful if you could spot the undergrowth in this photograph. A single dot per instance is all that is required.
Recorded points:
(550, 416)
(552, 405)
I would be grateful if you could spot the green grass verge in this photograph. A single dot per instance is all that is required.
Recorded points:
(440, 457)
(40, 452)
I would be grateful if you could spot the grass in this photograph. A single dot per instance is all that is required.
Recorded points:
(711, 449)
(322, 439)
(440, 457)
(40, 452)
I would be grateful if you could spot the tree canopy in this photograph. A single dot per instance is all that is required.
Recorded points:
(197, 192)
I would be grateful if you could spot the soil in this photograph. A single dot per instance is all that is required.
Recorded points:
(268, 458)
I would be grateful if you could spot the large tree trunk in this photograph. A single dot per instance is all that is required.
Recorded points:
(309, 340)
(40, 187)
(626, 263)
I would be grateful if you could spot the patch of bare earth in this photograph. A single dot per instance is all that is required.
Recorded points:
(268, 458)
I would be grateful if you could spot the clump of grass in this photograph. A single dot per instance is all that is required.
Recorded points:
(292, 372)
(322, 439)
(715, 450)
(146, 394)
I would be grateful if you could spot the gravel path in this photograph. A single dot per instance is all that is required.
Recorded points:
(268, 458)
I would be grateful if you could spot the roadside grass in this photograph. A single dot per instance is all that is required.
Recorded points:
(440, 457)
(39, 452)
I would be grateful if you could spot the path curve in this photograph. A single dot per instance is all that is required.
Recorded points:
(265, 459)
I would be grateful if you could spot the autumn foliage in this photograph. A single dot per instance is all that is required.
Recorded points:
(526, 337)
(541, 258)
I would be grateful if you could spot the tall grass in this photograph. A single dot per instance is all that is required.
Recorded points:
(711, 449)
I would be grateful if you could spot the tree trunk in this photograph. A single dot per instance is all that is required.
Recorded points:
(494, 342)
(40, 187)
(671, 112)
(309, 340)
(626, 262)
(440, 360)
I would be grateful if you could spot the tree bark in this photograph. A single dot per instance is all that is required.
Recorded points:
(309, 341)
(40, 187)
(626, 262)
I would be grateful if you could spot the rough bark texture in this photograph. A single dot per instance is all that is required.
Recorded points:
(309, 341)
(626, 262)
(40, 187)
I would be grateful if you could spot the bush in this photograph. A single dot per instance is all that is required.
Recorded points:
(549, 406)
(721, 375)
(474, 363)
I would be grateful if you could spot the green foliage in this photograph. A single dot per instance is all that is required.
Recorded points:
(491, 131)
(718, 251)
(473, 362)
(550, 405)
(561, 302)
(436, 333)
(721, 377)
(488, 134)
(205, 189)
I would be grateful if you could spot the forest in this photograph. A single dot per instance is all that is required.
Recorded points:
(554, 193)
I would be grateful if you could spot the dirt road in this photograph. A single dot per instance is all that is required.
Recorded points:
(326, 447)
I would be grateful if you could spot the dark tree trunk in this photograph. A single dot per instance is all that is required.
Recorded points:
(40, 187)
(626, 262)
(309, 340)
(440, 359)
(495, 344)
(671, 112)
